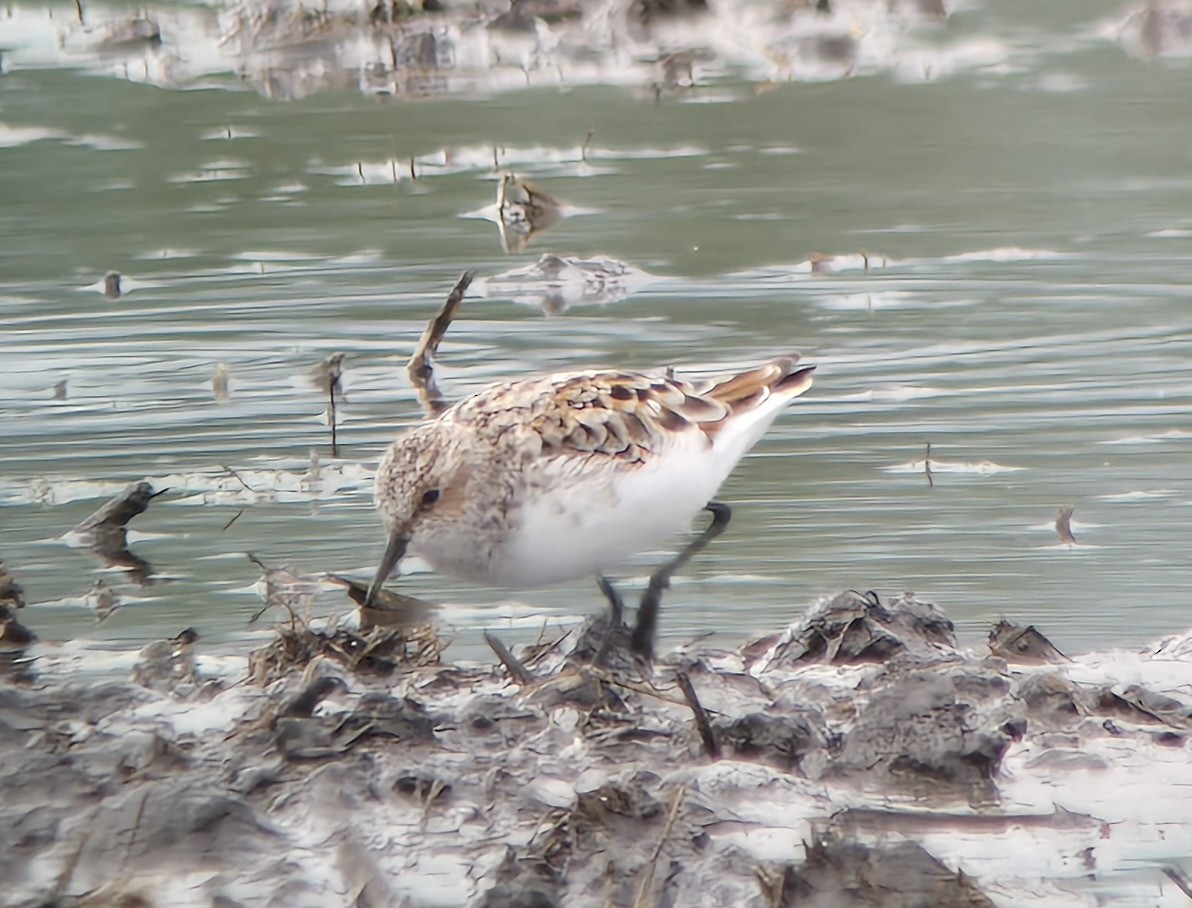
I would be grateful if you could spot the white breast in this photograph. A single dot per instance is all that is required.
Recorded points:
(588, 523)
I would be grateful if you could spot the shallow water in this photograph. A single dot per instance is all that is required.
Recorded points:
(1018, 181)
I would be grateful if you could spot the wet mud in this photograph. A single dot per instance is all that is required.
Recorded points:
(858, 757)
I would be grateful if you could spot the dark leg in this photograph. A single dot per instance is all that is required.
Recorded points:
(616, 619)
(647, 613)
(616, 604)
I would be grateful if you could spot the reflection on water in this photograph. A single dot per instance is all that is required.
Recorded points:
(289, 50)
(555, 283)
(981, 245)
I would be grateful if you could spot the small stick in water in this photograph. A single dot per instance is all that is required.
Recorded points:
(420, 367)
(1063, 526)
(326, 375)
(331, 415)
(927, 466)
(239, 478)
(111, 285)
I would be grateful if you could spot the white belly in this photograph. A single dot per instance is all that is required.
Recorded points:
(595, 523)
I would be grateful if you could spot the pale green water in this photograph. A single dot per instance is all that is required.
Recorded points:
(1028, 317)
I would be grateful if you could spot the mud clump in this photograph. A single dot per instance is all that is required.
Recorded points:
(941, 726)
(840, 874)
(852, 628)
(1023, 644)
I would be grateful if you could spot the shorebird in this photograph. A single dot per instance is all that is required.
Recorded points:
(541, 480)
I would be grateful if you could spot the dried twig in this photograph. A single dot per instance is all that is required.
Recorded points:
(647, 879)
(280, 584)
(420, 367)
(927, 466)
(701, 716)
(647, 689)
(239, 479)
(512, 664)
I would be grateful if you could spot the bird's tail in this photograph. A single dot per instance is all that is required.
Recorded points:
(753, 399)
(782, 377)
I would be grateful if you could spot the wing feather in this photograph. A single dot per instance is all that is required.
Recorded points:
(624, 416)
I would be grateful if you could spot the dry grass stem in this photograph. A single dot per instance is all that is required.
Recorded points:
(707, 735)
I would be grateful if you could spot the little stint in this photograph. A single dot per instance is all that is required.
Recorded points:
(541, 480)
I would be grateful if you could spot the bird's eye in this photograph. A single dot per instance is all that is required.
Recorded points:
(429, 497)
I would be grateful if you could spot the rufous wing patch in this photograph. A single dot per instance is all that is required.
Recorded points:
(748, 390)
(747, 386)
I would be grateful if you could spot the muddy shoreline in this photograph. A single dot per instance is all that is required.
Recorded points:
(857, 757)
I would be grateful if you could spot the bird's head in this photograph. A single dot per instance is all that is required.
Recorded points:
(420, 484)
